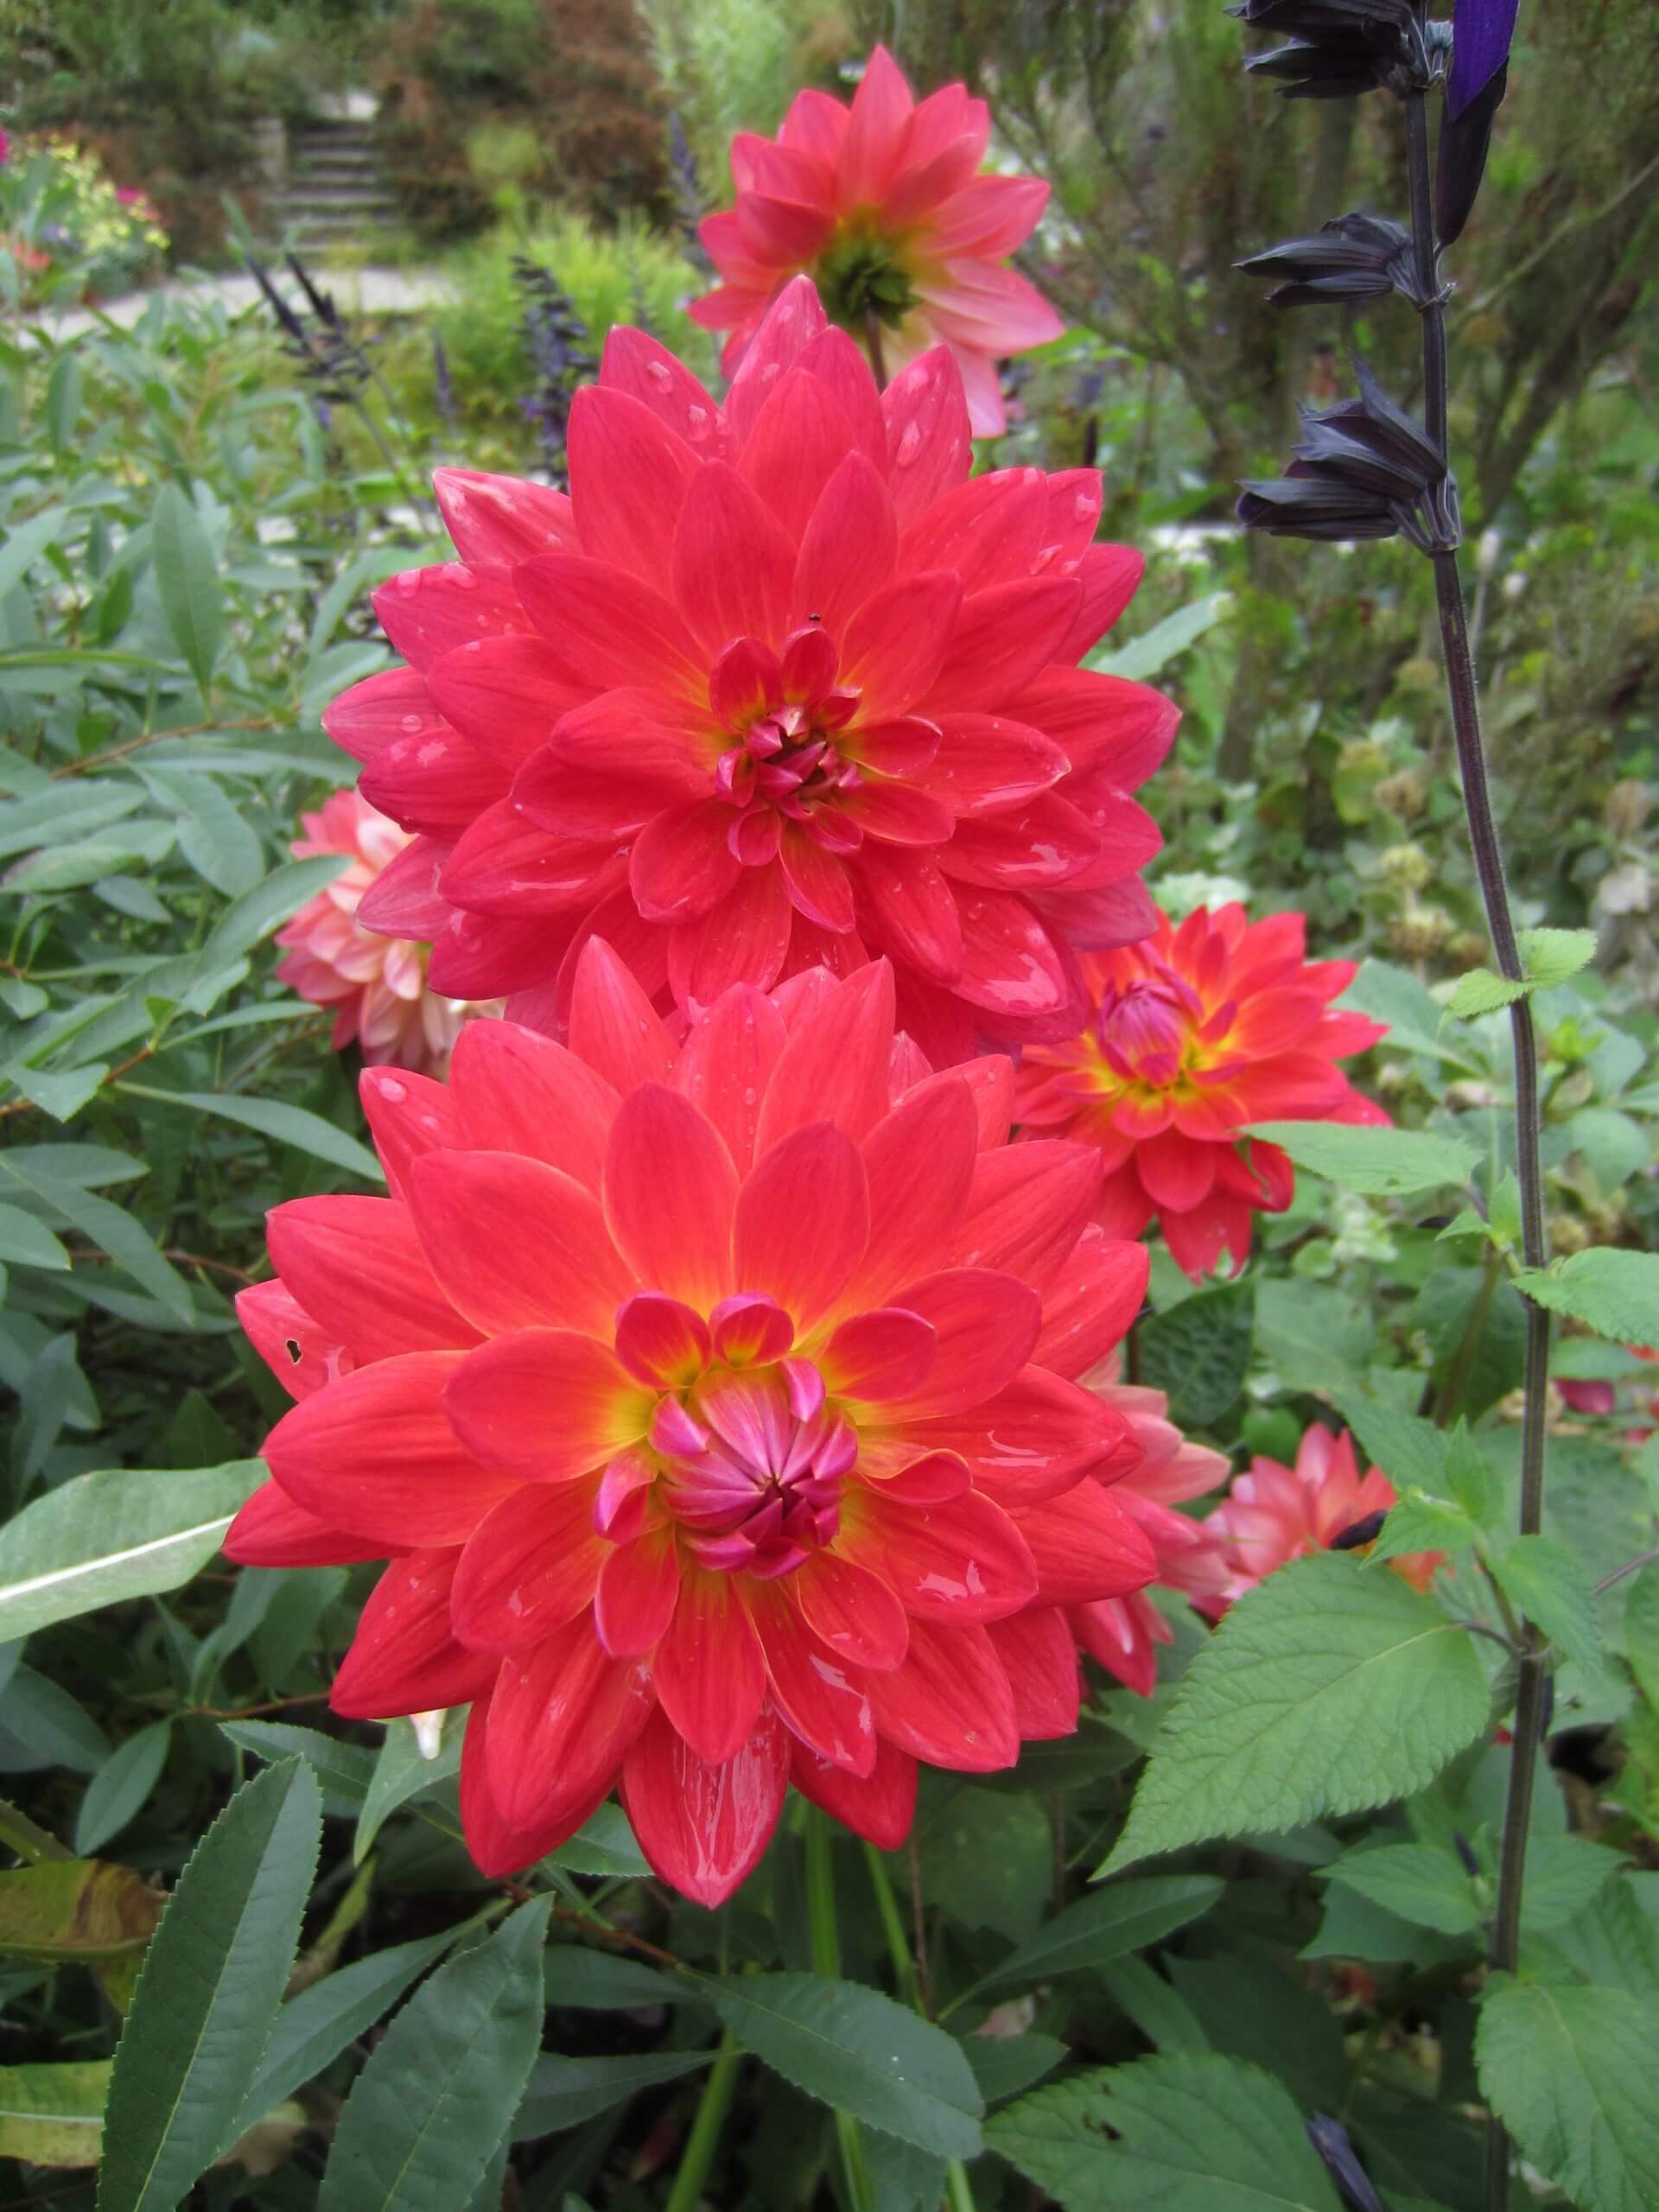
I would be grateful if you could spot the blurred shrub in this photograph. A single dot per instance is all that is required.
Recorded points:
(735, 65)
(70, 229)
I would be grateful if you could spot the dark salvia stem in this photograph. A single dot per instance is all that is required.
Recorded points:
(1489, 864)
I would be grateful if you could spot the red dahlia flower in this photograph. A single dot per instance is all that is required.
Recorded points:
(883, 205)
(377, 983)
(1273, 1514)
(714, 1408)
(774, 687)
(1194, 1035)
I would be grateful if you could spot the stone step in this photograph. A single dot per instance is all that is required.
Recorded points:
(344, 199)
(347, 166)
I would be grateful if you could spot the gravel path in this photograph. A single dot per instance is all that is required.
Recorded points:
(372, 291)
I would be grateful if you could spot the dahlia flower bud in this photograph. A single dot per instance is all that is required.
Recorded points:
(884, 206)
(1193, 1036)
(376, 984)
(712, 1398)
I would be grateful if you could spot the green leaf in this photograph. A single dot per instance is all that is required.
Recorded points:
(1186, 2132)
(214, 836)
(305, 1131)
(1549, 957)
(1199, 1352)
(1407, 1448)
(1123, 1917)
(1384, 1162)
(1004, 2066)
(1414, 1881)
(54, 2115)
(50, 1724)
(27, 1243)
(1614, 1292)
(986, 1857)
(563, 2092)
(212, 1982)
(1162, 2014)
(119, 1788)
(1325, 1689)
(1480, 992)
(1418, 1522)
(76, 1909)
(1565, 1876)
(257, 911)
(187, 579)
(1614, 1146)
(439, 2089)
(314, 2027)
(1312, 1332)
(1612, 1940)
(1166, 640)
(1408, 1007)
(584, 1980)
(111, 1227)
(345, 1770)
(604, 1844)
(111, 1535)
(1543, 1580)
(1569, 2071)
(403, 1772)
(1641, 1632)
(859, 2052)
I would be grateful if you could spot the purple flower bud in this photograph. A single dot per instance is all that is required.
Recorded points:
(1353, 258)
(1329, 2139)
(1481, 33)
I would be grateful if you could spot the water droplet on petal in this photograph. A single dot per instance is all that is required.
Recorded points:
(910, 444)
(659, 373)
(408, 582)
(413, 724)
(392, 1091)
(1084, 507)
(464, 579)
(696, 423)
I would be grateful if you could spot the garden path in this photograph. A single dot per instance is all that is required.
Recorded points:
(372, 291)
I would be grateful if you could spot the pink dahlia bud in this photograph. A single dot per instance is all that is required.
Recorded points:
(776, 686)
(714, 1404)
(1273, 1514)
(883, 205)
(1194, 1035)
(377, 984)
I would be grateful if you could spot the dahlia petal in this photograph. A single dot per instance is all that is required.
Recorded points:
(775, 229)
(1076, 497)
(1040, 1661)
(839, 365)
(1176, 1172)
(911, 907)
(833, 1068)
(1106, 724)
(634, 363)
(1010, 964)
(725, 1064)
(1100, 919)
(852, 1610)
(986, 1325)
(299, 1351)
(709, 1670)
(506, 696)
(1126, 835)
(989, 216)
(750, 1331)
(529, 1569)
(1005, 635)
(793, 319)
(515, 1091)
(974, 304)
(545, 1405)
(704, 1826)
(905, 747)
(848, 546)
(876, 131)
(629, 476)
(1027, 1208)
(602, 805)
(803, 1221)
(563, 1720)
(375, 1455)
(375, 714)
(604, 628)
(989, 1079)
(356, 1266)
(930, 1479)
(496, 1846)
(988, 530)
(930, 446)
(799, 440)
(986, 763)
(671, 1192)
(744, 940)
(271, 1530)
(403, 1657)
(1197, 1238)
(403, 899)
(1123, 1634)
(734, 562)
(514, 871)
(501, 520)
(516, 1244)
(898, 814)
(682, 864)
(818, 884)
(886, 1353)
(1091, 1308)
(1110, 576)
(1085, 1546)
(664, 1344)
(949, 1702)
(1046, 845)
(820, 1699)
(895, 646)
(816, 125)
(879, 1807)
(1033, 1438)
(433, 784)
(427, 613)
(639, 1588)
(962, 1561)
(614, 1027)
(1122, 1209)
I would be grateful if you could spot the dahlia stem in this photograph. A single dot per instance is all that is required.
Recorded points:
(825, 1937)
(872, 339)
(1494, 891)
(705, 2140)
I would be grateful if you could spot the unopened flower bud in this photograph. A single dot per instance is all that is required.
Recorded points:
(1340, 47)
(1353, 258)
(1329, 2139)
(1362, 469)
(1408, 865)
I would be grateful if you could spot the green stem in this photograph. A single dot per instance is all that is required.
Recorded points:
(825, 1938)
(705, 2140)
(958, 2190)
(893, 1927)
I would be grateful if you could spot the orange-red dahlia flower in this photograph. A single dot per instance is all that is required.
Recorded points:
(1124, 1633)
(883, 205)
(1630, 1397)
(1273, 1513)
(1192, 1035)
(377, 984)
(714, 1408)
(776, 686)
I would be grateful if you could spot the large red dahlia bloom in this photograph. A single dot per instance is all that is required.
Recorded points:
(714, 1408)
(883, 205)
(1194, 1035)
(774, 687)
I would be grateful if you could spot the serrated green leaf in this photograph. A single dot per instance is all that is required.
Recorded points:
(1418, 1522)
(53, 2115)
(402, 1771)
(584, 1980)
(1549, 957)
(1005, 2066)
(1641, 1632)
(119, 1788)
(1613, 1941)
(1614, 1292)
(1543, 1580)
(296, 1125)
(212, 1982)
(54, 1727)
(858, 2052)
(186, 580)
(439, 2092)
(1122, 1918)
(345, 1770)
(986, 1857)
(1407, 1448)
(1188, 2132)
(1383, 1162)
(114, 1534)
(1615, 1146)
(1564, 1875)
(1481, 992)
(563, 2092)
(1199, 1352)
(1324, 1690)
(314, 2027)
(604, 1844)
(1469, 1478)
(1414, 1881)
(1569, 2071)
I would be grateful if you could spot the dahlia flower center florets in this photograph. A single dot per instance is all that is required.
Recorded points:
(861, 274)
(783, 756)
(1147, 1029)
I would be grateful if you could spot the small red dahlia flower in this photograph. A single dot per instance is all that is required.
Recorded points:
(1603, 1398)
(775, 687)
(1194, 1035)
(883, 205)
(377, 983)
(714, 1408)
(1273, 1514)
